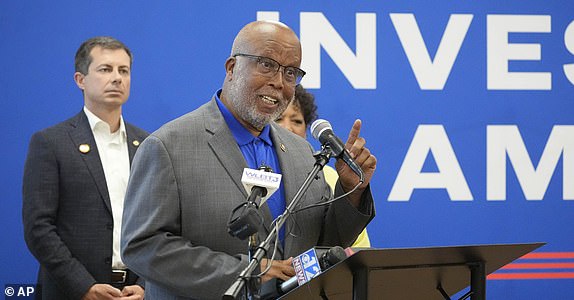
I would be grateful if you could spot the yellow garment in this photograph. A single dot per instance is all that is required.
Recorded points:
(331, 177)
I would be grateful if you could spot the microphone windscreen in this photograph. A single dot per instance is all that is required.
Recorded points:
(332, 257)
(318, 127)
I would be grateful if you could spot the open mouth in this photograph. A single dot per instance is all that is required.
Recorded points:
(269, 100)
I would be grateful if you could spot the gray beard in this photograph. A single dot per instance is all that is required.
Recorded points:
(250, 114)
(246, 109)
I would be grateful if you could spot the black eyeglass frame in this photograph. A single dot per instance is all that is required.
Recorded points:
(260, 58)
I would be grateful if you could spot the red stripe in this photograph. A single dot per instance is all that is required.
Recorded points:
(506, 276)
(539, 266)
(548, 255)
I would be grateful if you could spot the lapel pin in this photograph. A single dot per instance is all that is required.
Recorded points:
(283, 148)
(84, 148)
(136, 143)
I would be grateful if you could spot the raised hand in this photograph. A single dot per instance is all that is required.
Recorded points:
(363, 157)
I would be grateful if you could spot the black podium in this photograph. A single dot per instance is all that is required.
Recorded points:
(411, 273)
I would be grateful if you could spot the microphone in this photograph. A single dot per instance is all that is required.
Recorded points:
(307, 266)
(323, 132)
(245, 220)
(260, 183)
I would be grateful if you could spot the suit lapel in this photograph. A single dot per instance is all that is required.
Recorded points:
(288, 175)
(81, 134)
(223, 145)
(294, 175)
(133, 141)
(292, 178)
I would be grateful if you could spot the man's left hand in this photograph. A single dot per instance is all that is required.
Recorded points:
(363, 157)
(132, 292)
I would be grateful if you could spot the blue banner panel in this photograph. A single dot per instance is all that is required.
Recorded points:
(467, 105)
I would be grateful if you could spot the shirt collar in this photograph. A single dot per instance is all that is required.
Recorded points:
(98, 125)
(241, 134)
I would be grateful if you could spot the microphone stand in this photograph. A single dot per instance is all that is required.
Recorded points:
(245, 277)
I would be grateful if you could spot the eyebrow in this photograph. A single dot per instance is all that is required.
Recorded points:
(109, 65)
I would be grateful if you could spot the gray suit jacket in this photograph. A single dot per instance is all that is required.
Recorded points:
(66, 208)
(186, 179)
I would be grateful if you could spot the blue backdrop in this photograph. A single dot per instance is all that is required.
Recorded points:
(468, 106)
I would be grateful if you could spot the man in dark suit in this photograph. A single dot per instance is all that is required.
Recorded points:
(186, 178)
(75, 178)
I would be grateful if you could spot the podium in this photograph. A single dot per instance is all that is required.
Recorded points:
(411, 273)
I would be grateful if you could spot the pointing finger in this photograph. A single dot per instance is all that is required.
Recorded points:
(353, 134)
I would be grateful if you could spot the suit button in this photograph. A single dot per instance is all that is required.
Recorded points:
(110, 226)
(108, 260)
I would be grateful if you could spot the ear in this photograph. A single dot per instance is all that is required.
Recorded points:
(79, 79)
(229, 66)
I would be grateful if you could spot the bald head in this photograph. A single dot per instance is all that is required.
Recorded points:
(252, 34)
(253, 93)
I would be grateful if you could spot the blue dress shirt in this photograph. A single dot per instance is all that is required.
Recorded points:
(257, 151)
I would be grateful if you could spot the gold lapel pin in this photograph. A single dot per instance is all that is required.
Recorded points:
(283, 148)
(84, 148)
(136, 143)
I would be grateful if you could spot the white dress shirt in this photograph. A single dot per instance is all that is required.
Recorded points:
(113, 150)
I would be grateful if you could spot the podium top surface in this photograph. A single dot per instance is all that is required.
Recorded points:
(410, 273)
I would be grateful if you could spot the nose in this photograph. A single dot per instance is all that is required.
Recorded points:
(117, 77)
(277, 79)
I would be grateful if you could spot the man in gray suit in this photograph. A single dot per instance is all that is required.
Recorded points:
(75, 178)
(186, 178)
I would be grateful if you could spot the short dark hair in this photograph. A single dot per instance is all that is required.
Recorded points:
(84, 59)
(305, 101)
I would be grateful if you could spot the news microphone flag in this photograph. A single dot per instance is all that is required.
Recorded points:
(306, 266)
(252, 178)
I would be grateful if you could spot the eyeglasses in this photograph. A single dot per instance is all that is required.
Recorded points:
(269, 67)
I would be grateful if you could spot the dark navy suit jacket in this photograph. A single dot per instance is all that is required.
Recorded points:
(66, 209)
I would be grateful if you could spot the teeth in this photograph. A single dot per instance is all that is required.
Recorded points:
(269, 100)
